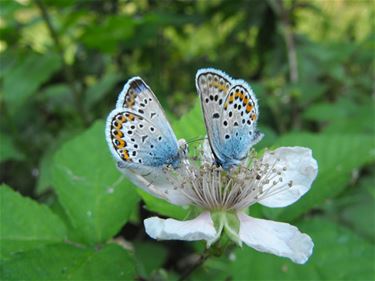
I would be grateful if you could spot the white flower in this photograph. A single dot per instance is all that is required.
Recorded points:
(277, 179)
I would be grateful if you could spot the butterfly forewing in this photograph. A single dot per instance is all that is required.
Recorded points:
(138, 132)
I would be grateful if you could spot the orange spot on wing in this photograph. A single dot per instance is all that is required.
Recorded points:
(221, 87)
(249, 107)
(125, 155)
(121, 143)
(245, 100)
(253, 117)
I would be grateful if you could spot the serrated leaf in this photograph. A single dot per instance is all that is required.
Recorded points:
(93, 193)
(25, 224)
(68, 262)
(334, 245)
(338, 156)
(356, 208)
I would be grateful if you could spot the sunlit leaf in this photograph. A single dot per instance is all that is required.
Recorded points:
(93, 193)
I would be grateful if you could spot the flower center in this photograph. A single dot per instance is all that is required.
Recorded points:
(210, 187)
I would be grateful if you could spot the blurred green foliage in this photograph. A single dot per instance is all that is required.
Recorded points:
(63, 62)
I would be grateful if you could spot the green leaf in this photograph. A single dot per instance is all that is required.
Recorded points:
(91, 190)
(8, 150)
(98, 90)
(338, 254)
(58, 98)
(354, 207)
(343, 116)
(338, 156)
(109, 34)
(44, 180)
(191, 125)
(150, 256)
(67, 262)
(25, 224)
(334, 245)
(26, 76)
(163, 207)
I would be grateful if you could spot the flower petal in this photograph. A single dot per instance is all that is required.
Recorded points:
(200, 228)
(277, 238)
(155, 182)
(301, 170)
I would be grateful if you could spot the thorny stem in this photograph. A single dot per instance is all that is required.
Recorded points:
(68, 71)
(201, 260)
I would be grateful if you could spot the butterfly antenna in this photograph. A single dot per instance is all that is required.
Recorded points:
(196, 139)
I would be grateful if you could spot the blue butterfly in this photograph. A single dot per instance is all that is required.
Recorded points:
(138, 133)
(230, 111)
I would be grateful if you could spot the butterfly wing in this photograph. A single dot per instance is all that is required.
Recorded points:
(230, 112)
(238, 123)
(138, 132)
(213, 87)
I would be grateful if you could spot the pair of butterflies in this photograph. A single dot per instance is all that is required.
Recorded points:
(140, 136)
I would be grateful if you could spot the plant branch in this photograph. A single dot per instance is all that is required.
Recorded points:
(67, 69)
(287, 31)
(201, 260)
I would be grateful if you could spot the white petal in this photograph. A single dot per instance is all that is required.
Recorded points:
(200, 228)
(154, 181)
(277, 238)
(301, 170)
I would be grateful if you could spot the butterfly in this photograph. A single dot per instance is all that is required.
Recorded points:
(230, 111)
(138, 133)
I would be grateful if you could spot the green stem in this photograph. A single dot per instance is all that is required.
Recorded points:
(67, 69)
(201, 260)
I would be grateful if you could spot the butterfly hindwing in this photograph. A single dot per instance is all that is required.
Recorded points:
(138, 132)
(230, 118)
